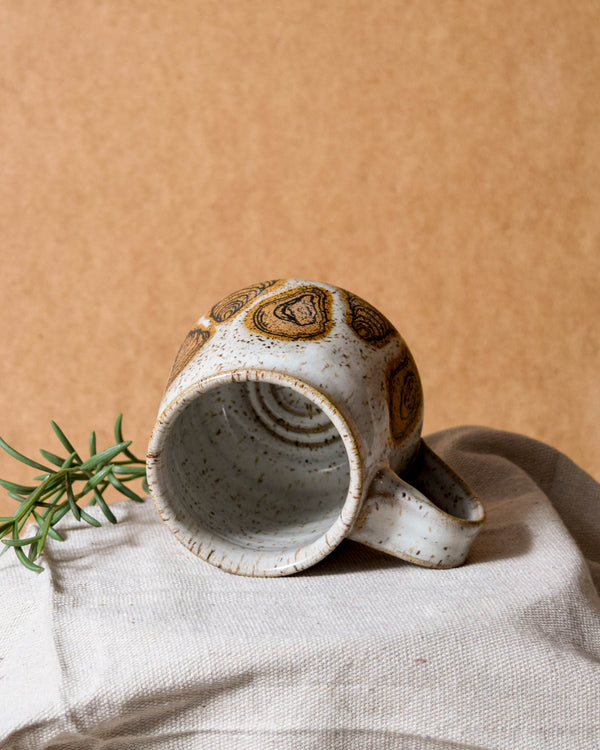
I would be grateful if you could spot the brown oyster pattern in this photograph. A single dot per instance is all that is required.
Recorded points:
(237, 301)
(367, 322)
(405, 396)
(192, 344)
(303, 313)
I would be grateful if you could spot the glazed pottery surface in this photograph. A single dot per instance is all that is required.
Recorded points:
(291, 420)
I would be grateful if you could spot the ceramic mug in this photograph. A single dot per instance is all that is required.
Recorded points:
(292, 420)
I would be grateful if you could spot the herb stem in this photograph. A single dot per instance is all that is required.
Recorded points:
(44, 503)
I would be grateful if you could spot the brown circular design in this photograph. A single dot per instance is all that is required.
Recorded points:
(192, 344)
(237, 301)
(300, 314)
(405, 396)
(367, 322)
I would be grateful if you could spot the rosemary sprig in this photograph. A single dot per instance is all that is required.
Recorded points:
(62, 487)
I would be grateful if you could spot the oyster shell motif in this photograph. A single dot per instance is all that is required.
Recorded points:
(192, 344)
(367, 322)
(237, 301)
(303, 313)
(405, 396)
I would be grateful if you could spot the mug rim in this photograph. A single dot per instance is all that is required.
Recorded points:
(209, 546)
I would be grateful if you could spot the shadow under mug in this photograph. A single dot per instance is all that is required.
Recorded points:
(291, 421)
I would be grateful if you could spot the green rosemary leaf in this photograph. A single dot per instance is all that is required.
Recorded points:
(19, 542)
(93, 443)
(97, 478)
(60, 513)
(90, 519)
(19, 489)
(56, 498)
(130, 471)
(21, 556)
(53, 534)
(69, 460)
(104, 507)
(27, 562)
(46, 529)
(145, 486)
(33, 551)
(52, 457)
(75, 509)
(124, 489)
(20, 457)
(19, 525)
(62, 437)
(119, 438)
(119, 429)
(103, 457)
(18, 498)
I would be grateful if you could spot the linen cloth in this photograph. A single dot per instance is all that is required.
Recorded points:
(127, 640)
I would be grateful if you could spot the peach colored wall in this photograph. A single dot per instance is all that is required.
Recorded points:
(439, 159)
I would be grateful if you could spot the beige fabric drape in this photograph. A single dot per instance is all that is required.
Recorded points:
(127, 640)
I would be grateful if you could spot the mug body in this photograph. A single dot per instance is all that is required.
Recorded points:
(282, 404)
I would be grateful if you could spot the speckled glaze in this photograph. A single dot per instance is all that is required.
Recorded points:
(291, 420)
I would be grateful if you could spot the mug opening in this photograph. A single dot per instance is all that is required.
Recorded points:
(256, 472)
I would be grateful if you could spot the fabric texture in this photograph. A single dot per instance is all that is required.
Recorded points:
(129, 641)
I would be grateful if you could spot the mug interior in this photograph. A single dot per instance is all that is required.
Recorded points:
(255, 473)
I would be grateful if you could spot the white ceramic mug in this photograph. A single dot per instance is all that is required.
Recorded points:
(291, 421)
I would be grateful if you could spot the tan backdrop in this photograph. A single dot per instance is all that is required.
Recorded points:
(439, 159)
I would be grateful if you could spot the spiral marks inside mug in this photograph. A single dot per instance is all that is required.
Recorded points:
(301, 314)
(237, 301)
(367, 322)
(405, 396)
(290, 416)
(232, 469)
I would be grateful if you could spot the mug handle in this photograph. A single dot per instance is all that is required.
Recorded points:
(431, 522)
